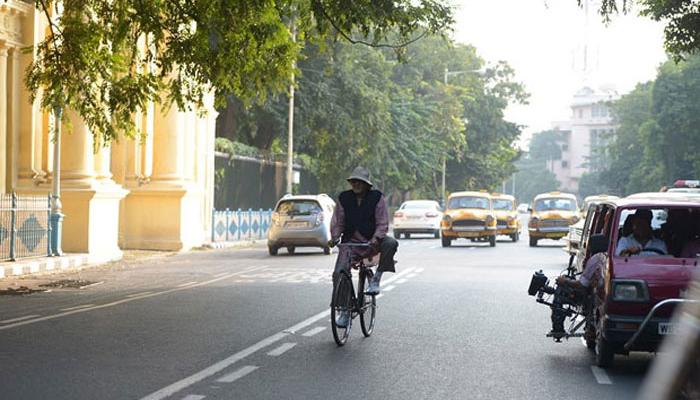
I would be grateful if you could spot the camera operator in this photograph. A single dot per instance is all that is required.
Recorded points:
(577, 292)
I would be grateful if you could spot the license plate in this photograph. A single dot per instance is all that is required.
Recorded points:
(296, 225)
(667, 328)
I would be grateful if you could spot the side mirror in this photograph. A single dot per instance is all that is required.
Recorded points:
(529, 209)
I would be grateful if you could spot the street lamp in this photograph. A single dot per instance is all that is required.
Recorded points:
(290, 122)
(447, 74)
(56, 207)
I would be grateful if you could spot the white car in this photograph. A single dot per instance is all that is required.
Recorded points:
(417, 216)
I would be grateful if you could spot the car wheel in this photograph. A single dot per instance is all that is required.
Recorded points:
(515, 237)
(533, 242)
(604, 354)
(407, 235)
(397, 234)
(272, 250)
(446, 242)
(492, 241)
(326, 250)
(437, 234)
(291, 249)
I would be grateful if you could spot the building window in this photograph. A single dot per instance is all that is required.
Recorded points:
(564, 147)
(580, 113)
(564, 164)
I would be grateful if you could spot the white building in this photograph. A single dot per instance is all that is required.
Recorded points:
(589, 128)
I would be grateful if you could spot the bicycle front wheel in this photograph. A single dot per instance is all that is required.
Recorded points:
(341, 308)
(368, 308)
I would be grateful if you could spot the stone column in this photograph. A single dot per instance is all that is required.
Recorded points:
(30, 140)
(13, 129)
(168, 145)
(3, 118)
(77, 157)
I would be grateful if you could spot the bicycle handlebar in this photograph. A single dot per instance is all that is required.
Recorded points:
(354, 244)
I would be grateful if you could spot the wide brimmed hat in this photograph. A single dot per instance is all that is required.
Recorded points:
(360, 174)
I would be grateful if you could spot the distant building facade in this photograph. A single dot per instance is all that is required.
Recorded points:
(150, 194)
(583, 135)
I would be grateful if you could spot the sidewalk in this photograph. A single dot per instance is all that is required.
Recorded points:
(74, 262)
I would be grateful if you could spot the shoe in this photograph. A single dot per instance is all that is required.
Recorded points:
(372, 288)
(557, 334)
(343, 319)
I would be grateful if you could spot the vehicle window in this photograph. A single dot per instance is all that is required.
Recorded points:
(664, 229)
(552, 203)
(469, 202)
(418, 205)
(501, 204)
(298, 207)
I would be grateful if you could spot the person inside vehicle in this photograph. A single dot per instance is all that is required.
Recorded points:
(691, 248)
(590, 277)
(641, 241)
(361, 216)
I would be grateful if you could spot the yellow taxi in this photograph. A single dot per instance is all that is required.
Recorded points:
(507, 222)
(550, 216)
(469, 215)
(573, 239)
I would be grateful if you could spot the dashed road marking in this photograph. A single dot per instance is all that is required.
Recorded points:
(434, 247)
(221, 274)
(281, 349)
(238, 374)
(191, 283)
(138, 294)
(419, 270)
(411, 276)
(9, 321)
(601, 376)
(77, 307)
(227, 362)
(404, 280)
(314, 331)
(389, 288)
(193, 397)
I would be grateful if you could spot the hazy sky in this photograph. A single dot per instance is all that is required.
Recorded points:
(543, 41)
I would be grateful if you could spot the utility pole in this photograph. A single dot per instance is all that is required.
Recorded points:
(290, 123)
(56, 206)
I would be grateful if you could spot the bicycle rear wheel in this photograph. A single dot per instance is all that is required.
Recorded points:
(341, 302)
(368, 308)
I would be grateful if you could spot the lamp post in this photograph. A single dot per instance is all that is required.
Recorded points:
(444, 159)
(290, 121)
(56, 206)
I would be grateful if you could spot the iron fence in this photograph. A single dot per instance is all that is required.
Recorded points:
(229, 225)
(25, 228)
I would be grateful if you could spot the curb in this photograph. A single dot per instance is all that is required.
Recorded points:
(52, 264)
(227, 245)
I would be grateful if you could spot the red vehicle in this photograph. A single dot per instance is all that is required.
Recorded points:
(638, 290)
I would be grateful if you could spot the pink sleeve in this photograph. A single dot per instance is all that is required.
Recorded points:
(337, 222)
(381, 218)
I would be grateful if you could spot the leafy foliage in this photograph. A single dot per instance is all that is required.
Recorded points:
(107, 59)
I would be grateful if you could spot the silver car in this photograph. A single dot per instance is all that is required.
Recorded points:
(301, 221)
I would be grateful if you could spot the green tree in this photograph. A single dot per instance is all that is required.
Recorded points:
(107, 59)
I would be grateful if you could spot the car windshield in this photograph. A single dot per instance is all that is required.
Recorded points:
(418, 205)
(502, 204)
(469, 202)
(298, 207)
(555, 203)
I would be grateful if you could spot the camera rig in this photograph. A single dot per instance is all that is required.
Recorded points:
(565, 301)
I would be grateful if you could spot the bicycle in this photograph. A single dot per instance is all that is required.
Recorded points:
(345, 300)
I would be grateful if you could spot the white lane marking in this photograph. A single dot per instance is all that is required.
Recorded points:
(281, 349)
(9, 321)
(314, 331)
(583, 342)
(73, 310)
(413, 275)
(379, 296)
(227, 362)
(601, 376)
(434, 247)
(404, 280)
(193, 282)
(238, 374)
(419, 270)
(389, 288)
(80, 307)
(193, 397)
(138, 294)
(221, 274)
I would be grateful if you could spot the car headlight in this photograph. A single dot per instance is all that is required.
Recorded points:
(629, 290)
(446, 221)
(574, 219)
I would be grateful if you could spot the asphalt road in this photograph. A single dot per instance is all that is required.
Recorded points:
(453, 323)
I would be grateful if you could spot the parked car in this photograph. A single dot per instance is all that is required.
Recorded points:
(507, 222)
(417, 216)
(469, 215)
(573, 239)
(634, 302)
(301, 221)
(550, 216)
(522, 208)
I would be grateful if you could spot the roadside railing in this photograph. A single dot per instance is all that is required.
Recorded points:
(229, 225)
(25, 230)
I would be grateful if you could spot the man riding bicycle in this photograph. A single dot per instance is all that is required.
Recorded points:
(361, 216)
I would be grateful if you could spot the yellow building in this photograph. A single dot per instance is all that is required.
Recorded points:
(150, 194)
